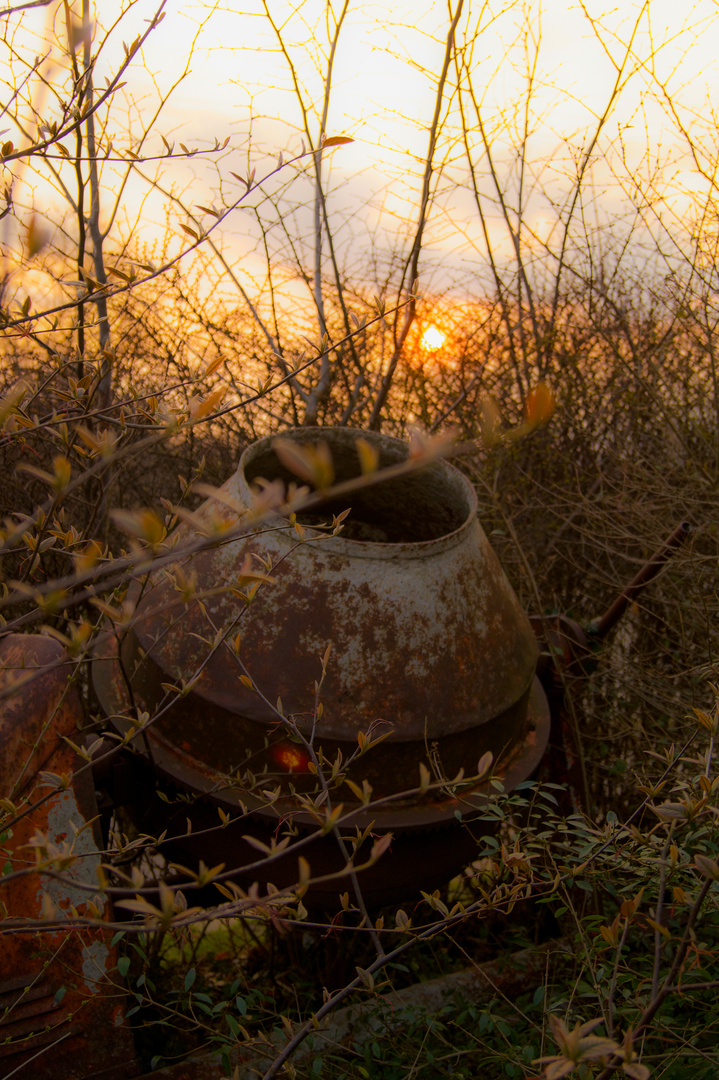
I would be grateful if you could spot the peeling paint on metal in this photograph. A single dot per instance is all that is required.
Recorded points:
(67, 826)
(95, 965)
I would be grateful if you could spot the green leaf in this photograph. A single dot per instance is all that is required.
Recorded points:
(190, 978)
(706, 866)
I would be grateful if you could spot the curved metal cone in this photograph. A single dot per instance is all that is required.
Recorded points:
(430, 648)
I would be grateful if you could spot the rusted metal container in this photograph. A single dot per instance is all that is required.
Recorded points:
(429, 647)
(61, 1000)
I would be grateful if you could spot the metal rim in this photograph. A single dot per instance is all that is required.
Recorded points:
(398, 453)
(393, 814)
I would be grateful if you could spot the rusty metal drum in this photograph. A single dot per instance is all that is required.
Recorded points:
(61, 1016)
(430, 647)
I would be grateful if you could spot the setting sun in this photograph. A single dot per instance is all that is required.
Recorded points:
(432, 339)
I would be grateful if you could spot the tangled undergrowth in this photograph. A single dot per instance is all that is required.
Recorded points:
(621, 918)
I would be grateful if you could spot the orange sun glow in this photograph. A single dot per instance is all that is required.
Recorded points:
(432, 338)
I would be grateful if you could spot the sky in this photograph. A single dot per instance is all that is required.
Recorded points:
(234, 81)
(388, 54)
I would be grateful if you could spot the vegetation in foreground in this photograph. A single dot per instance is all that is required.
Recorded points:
(108, 408)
